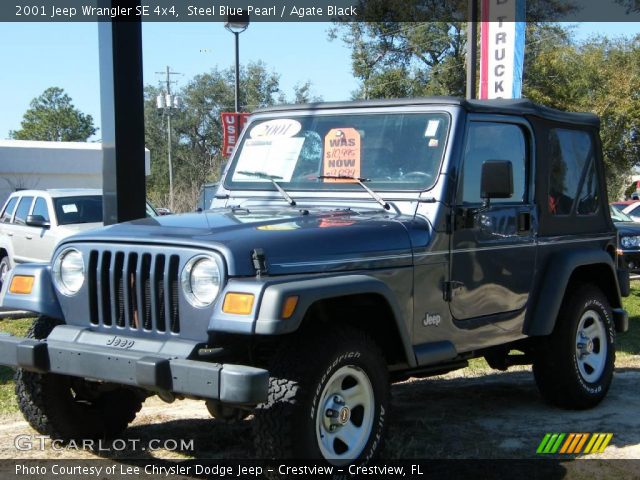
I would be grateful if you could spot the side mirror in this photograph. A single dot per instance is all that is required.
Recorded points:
(37, 221)
(496, 180)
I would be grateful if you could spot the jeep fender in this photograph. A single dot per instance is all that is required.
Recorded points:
(41, 300)
(547, 298)
(269, 320)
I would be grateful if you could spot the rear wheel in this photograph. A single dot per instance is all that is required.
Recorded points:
(573, 367)
(67, 408)
(328, 398)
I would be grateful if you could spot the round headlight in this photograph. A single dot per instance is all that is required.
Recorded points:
(68, 271)
(625, 242)
(201, 278)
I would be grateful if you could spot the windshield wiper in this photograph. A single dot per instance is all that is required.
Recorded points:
(271, 178)
(360, 181)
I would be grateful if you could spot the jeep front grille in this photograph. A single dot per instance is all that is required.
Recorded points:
(134, 290)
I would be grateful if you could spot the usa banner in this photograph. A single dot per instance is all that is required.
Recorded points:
(502, 48)
(232, 125)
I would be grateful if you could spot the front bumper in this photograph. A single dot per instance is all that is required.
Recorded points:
(630, 259)
(149, 364)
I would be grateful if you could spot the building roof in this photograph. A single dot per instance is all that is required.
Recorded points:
(499, 106)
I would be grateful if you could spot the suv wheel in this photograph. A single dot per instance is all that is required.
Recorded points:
(69, 408)
(573, 367)
(328, 398)
(5, 266)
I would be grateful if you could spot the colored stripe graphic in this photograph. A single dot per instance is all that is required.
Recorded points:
(572, 443)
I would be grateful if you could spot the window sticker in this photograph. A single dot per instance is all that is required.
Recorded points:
(432, 128)
(274, 156)
(283, 127)
(433, 142)
(70, 208)
(341, 154)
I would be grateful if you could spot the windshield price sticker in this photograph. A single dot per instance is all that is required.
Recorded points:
(69, 208)
(275, 156)
(341, 154)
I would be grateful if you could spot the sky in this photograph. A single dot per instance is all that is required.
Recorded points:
(38, 56)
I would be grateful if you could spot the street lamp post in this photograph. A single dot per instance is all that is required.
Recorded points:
(237, 24)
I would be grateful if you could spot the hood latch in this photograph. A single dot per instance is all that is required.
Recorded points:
(259, 261)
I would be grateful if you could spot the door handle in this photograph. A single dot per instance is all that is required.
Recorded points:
(29, 237)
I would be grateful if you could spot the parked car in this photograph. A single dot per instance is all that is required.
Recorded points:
(351, 245)
(633, 211)
(628, 239)
(33, 222)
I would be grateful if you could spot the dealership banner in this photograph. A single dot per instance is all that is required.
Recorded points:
(232, 125)
(502, 48)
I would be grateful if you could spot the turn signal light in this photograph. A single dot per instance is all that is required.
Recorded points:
(289, 306)
(21, 284)
(238, 303)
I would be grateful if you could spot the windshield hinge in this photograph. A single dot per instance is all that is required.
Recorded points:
(259, 261)
(450, 288)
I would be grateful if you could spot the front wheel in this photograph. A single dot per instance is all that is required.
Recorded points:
(70, 408)
(573, 367)
(5, 266)
(328, 399)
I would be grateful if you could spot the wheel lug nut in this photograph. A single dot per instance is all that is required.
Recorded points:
(331, 413)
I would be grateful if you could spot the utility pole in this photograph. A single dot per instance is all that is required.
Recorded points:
(168, 104)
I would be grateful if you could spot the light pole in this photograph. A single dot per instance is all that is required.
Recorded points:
(237, 24)
(168, 104)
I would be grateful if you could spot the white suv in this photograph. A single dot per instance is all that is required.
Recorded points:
(32, 222)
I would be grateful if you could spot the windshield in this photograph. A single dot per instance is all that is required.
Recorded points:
(619, 216)
(398, 151)
(85, 209)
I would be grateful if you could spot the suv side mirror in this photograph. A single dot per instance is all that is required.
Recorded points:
(37, 221)
(496, 180)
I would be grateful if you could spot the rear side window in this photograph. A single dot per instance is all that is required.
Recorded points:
(23, 210)
(573, 177)
(8, 210)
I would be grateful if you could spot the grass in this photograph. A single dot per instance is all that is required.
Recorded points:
(628, 350)
(8, 402)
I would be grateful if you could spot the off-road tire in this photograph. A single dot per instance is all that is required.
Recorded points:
(286, 426)
(556, 359)
(48, 404)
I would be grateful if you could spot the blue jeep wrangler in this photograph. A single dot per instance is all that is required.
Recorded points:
(350, 245)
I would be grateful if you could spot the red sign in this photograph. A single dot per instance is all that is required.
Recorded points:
(232, 125)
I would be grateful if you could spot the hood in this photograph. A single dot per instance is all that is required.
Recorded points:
(293, 241)
(627, 228)
(80, 227)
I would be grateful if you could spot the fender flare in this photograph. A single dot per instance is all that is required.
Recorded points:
(551, 288)
(41, 300)
(268, 321)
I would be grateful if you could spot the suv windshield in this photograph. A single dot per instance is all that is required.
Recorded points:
(70, 210)
(398, 151)
(619, 216)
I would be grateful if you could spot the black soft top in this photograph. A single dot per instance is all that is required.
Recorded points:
(500, 106)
